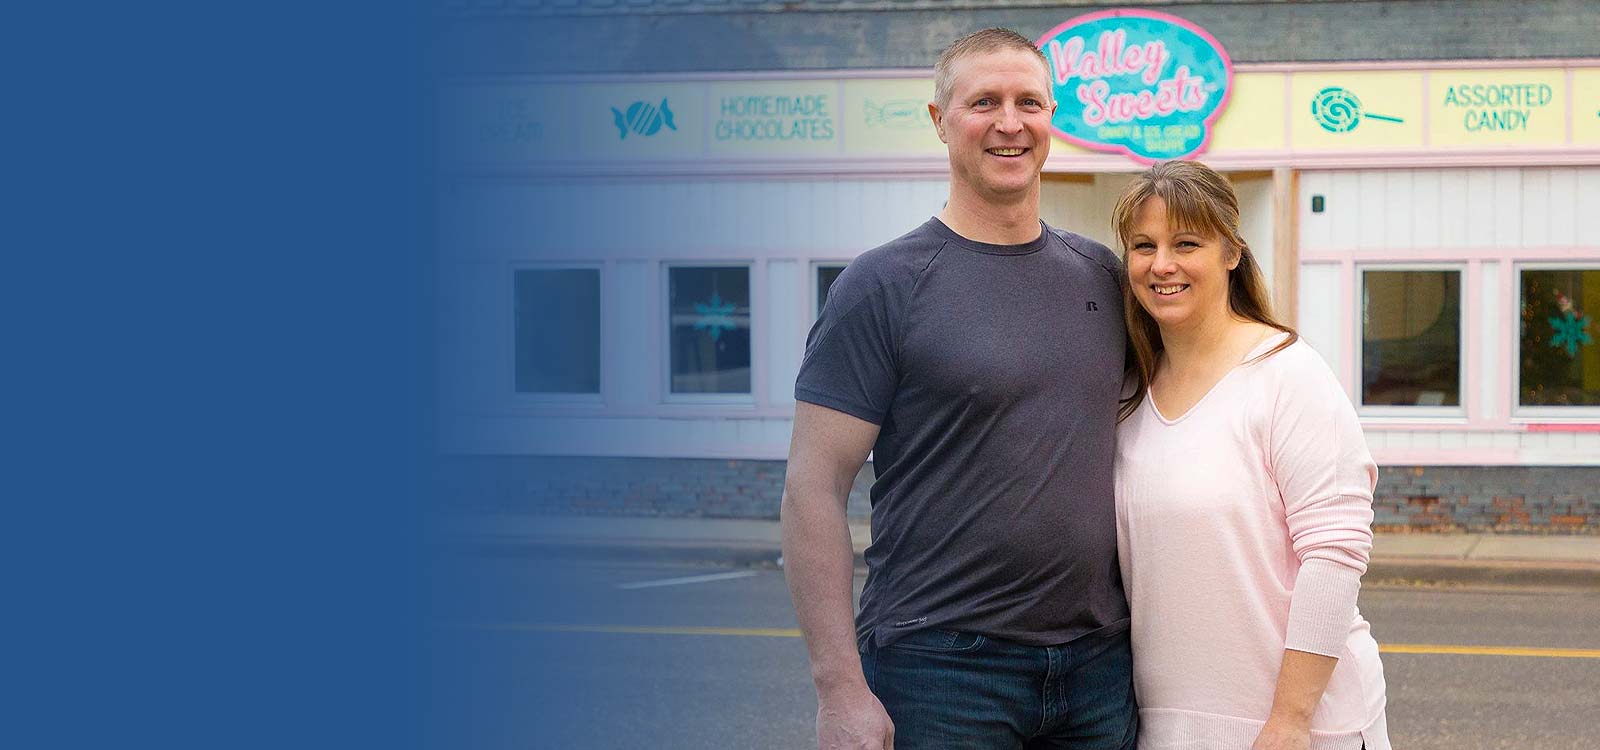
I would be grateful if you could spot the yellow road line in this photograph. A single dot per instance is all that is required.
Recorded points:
(634, 630)
(1423, 648)
(1388, 648)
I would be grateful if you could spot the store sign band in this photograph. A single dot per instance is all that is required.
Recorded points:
(1136, 82)
(1143, 84)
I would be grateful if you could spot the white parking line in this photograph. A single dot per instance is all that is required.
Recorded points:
(688, 579)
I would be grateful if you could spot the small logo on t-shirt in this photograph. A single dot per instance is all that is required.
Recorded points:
(1090, 307)
(909, 623)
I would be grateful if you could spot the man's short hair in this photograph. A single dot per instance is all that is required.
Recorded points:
(977, 43)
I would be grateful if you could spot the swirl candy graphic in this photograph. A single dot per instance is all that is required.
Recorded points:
(643, 119)
(1338, 110)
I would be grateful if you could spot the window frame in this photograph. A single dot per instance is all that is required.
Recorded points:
(1379, 413)
(756, 369)
(1518, 413)
(540, 398)
(815, 286)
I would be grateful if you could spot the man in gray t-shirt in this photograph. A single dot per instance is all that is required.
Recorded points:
(979, 359)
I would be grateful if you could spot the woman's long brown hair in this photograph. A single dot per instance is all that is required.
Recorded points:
(1200, 200)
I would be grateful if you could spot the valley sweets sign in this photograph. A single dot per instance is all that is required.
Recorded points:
(1136, 82)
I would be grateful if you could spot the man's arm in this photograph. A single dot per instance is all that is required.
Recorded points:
(825, 454)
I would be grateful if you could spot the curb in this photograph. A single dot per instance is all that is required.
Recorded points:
(642, 551)
(1380, 571)
(1506, 573)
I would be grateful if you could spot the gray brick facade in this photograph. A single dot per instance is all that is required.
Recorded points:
(1536, 499)
(1489, 498)
(695, 488)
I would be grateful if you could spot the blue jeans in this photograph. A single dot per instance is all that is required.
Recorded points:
(946, 690)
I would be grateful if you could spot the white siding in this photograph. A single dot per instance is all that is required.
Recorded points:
(475, 334)
(1426, 198)
(1535, 219)
(1564, 206)
(1396, 225)
(1506, 208)
(1255, 221)
(785, 307)
(1486, 366)
(1316, 229)
(1480, 211)
(1371, 224)
(630, 228)
(1421, 215)
(1588, 444)
(1344, 209)
(660, 217)
(1453, 210)
(1425, 209)
(1320, 322)
(781, 227)
(630, 355)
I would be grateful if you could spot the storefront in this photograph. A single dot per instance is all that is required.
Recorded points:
(631, 262)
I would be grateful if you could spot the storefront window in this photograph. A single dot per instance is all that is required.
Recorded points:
(1558, 358)
(557, 330)
(710, 329)
(1411, 338)
(825, 277)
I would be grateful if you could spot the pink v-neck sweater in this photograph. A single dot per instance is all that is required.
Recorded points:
(1244, 526)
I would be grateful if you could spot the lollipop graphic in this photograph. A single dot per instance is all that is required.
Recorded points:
(1338, 110)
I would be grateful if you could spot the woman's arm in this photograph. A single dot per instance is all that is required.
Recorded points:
(1325, 476)
(1301, 680)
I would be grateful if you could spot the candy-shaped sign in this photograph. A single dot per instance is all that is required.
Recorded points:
(1338, 110)
(1136, 82)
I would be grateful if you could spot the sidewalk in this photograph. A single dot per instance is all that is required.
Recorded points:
(1503, 559)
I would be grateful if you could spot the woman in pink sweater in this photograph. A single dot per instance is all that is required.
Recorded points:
(1244, 496)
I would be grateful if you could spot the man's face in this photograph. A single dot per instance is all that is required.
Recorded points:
(997, 122)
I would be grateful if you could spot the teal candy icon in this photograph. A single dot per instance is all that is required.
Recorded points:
(643, 119)
(1338, 110)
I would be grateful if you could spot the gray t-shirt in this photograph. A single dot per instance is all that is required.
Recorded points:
(993, 372)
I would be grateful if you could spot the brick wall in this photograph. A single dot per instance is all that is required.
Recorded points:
(1488, 498)
(1535, 499)
(708, 488)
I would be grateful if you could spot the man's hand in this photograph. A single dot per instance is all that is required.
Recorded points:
(853, 720)
(828, 450)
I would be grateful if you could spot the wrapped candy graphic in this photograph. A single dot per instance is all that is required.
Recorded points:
(896, 113)
(1338, 110)
(642, 119)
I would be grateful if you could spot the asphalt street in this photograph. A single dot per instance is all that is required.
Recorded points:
(537, 653)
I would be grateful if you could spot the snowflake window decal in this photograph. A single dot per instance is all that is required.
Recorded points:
(1569, 333)
(715, 316)
(1568, 329)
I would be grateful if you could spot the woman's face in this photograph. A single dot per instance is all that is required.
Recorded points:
(1179, 277)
